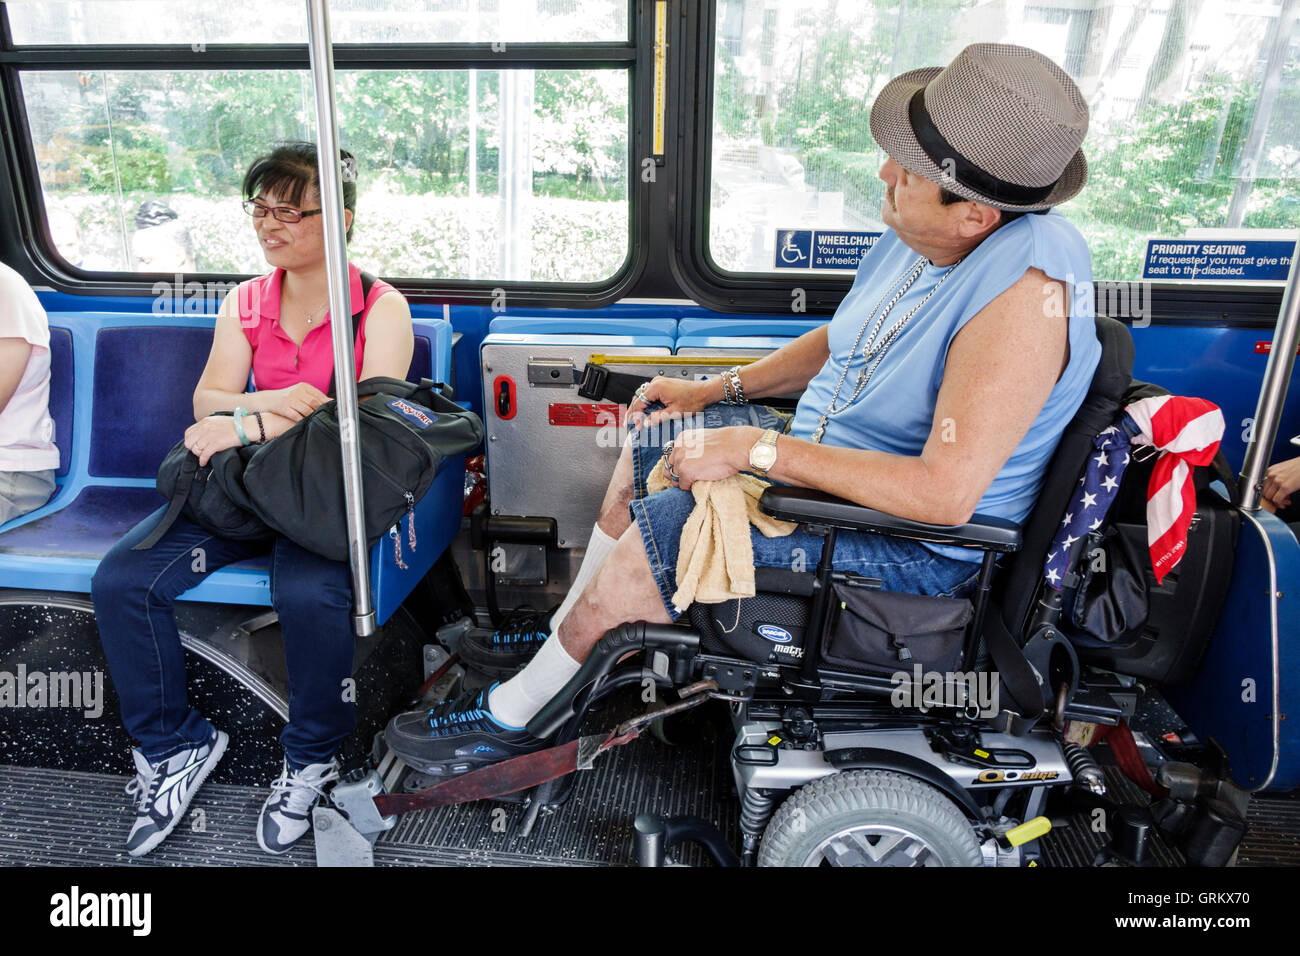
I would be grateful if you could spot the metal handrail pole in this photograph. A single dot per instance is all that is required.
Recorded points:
(336, 264)
(1272, 395)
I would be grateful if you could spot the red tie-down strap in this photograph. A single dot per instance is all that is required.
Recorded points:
(531, 770)
(1124, 747)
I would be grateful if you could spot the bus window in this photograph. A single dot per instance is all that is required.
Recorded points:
(1195, 111)
(198, 22)
(511, 173)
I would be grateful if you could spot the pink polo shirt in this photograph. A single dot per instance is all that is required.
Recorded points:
(279, 362)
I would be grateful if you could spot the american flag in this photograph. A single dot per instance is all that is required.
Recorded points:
(1087, 509)
(1187, 431)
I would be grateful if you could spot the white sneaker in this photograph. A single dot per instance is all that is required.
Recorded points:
(163, 790)
(286, 814)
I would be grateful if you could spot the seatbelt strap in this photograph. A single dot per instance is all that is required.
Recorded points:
(509, 776)
(596, 382)
(180, 495)
(1016, 679)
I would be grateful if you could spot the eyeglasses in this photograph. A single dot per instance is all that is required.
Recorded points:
(283, 213)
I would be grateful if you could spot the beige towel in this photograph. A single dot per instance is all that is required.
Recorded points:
(716, 560)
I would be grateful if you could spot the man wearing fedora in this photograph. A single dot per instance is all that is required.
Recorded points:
(939, 388)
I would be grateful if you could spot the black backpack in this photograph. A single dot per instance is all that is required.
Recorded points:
(295, 483)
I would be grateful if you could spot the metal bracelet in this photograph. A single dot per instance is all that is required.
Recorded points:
(732, 375)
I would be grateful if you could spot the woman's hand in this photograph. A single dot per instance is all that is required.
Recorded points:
(680, 397)
(297, 401)
(710, 454)
(210, 435)
(1281, 481)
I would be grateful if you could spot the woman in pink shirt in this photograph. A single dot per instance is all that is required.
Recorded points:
(276, 329)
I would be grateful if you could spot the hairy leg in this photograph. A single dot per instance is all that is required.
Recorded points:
(623, 590)
(614, 518)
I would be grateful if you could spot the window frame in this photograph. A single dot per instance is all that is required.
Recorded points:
(722, 290)
(29, 232)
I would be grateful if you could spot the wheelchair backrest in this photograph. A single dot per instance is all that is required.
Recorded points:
(1018, 583)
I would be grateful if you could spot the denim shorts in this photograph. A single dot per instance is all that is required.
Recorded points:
(900, 565)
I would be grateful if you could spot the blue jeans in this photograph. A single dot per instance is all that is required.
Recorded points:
(900, 565)
(133, 593)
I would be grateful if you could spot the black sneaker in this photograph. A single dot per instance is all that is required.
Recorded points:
(456, 736)
(502, 653)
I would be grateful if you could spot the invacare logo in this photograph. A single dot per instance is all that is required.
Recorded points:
(413, 412)
(77, 909)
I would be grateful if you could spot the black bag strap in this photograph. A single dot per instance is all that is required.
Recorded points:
(180, 494)
(358, 310)
(1016, 677)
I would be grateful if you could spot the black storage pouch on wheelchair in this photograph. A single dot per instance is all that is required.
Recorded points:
(1110, 605)
(883, 632)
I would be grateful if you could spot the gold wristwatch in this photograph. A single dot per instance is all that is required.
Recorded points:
(762, 456)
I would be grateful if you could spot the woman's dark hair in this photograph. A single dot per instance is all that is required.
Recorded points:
(290, 168)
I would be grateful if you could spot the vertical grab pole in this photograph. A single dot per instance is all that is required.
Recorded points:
(336, 264)
(1272, 394)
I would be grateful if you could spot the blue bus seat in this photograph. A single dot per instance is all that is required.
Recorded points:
(62, 390)
(719, 336)
(120, 397)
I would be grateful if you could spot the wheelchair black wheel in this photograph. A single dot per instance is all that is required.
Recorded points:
(869, 818)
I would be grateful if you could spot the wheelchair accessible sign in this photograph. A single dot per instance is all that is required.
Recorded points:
(822, 248)
(1217, 260)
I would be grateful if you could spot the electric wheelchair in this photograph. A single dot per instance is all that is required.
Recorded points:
(841, 761)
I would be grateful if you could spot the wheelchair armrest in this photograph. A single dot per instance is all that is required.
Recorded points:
(808, 506)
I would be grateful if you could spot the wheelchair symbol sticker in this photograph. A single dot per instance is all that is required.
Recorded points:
(794, 248)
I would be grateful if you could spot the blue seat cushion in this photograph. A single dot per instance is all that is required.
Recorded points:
(62, 390)
(87, 527)
(421, 360)
(142, 401)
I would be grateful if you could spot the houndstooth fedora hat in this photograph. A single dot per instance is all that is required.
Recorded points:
(1001, 125)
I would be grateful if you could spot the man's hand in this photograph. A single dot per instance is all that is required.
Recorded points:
(1281, 481)
(297, 401)
(680, 397)
(710, 454)
(210, 435)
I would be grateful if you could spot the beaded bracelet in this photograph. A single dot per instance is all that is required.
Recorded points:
(261, 429)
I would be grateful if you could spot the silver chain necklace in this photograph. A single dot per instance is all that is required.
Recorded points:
(873, 352)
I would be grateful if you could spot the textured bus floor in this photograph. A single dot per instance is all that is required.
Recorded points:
(56, 817)
(53, 817)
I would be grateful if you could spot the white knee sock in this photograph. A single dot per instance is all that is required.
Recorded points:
(599, 547)
(516, 701)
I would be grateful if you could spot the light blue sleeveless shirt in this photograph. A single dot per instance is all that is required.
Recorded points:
(895, 411)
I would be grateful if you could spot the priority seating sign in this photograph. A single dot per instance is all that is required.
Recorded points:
(1218, 260)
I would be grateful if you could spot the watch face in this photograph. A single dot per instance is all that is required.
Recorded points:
(762, 456)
